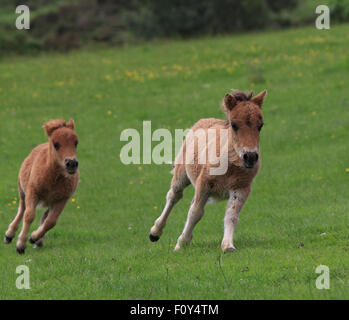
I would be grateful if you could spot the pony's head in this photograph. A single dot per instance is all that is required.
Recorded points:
(63, 144)
(244, 114)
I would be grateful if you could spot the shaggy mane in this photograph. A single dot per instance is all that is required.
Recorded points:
(53, 125)
(242, 96)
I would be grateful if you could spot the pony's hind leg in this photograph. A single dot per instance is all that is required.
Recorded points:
(49, 222)
(195, 213)
(179, 182)
(13, 227)
(40, 242)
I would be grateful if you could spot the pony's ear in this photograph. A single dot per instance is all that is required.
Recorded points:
(229, 102)
(259, 98)
(71, 124)
(53, 125)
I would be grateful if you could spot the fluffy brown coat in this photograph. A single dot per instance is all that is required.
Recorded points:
(48, 178)
(241, 143)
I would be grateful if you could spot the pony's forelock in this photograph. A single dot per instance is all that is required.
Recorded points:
(242, 96)
(232, 99)
(53, 125)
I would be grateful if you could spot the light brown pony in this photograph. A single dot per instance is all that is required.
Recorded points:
(244, 123)
(48, 178)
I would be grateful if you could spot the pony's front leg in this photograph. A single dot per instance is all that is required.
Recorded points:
(195, 213)
(236, 201)
(48, 223)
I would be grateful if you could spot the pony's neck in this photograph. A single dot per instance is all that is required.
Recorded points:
(233, 157)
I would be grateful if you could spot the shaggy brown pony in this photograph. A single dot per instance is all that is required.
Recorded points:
(48, 178)
(242, 127)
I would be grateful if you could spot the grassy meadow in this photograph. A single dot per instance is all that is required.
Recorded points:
(295, 219)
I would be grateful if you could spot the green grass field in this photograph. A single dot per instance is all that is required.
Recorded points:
(295, 219)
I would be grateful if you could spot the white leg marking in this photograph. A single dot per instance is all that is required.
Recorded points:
(231, 219)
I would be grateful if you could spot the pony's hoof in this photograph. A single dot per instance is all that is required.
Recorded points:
(7, 239)
(228, 249)
(20, 250)
(177, 248)
(31, 240)
(153, 238)
(38, 244)
(183, 242)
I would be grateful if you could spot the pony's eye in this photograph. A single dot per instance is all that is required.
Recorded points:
(76, 143)
(234, 126)
(56, 145)
(260, 127)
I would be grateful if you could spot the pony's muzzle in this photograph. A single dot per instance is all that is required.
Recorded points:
(250, 159)
(71, 165)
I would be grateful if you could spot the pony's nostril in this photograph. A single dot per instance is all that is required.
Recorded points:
(71, 163)
(250, 158)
